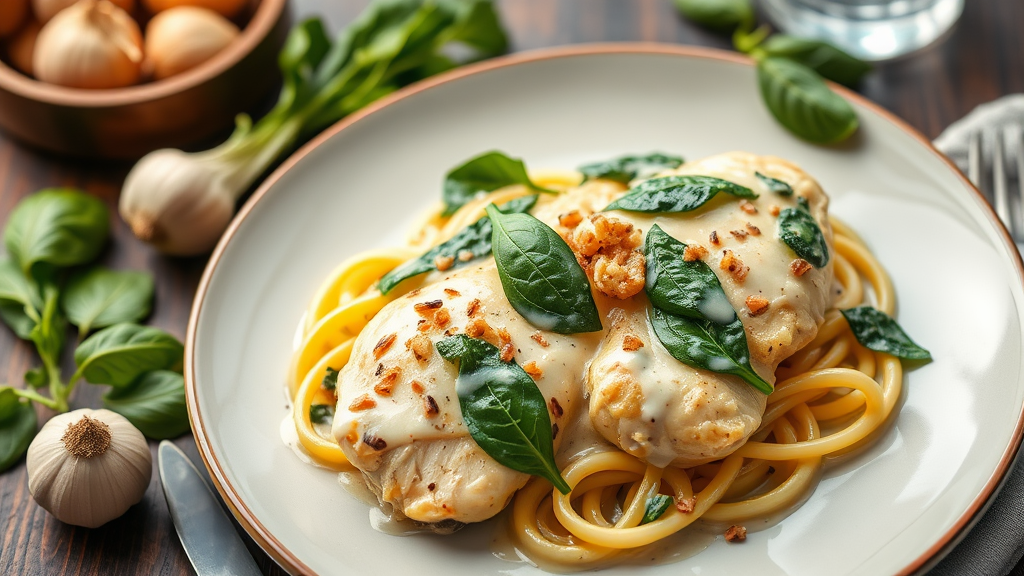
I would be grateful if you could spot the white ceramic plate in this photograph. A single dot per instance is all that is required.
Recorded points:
(892, 509)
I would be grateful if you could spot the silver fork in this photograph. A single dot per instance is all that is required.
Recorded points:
(999, 192)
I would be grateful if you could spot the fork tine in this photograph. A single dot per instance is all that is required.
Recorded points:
(974, 159)
(999, 183)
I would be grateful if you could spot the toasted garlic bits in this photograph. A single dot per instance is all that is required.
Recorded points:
(181, 38)
(92, 44)
(87, 467)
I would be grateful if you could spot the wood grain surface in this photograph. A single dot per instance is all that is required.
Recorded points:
(982, 59)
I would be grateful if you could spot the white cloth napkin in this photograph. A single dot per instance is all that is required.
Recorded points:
(995, 545)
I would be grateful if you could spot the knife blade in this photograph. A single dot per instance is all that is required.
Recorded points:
(206, 533)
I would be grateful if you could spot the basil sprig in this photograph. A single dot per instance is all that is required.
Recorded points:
(626, 168)
(676, 194)
(824, 58)
(655, 507)
(540, 275)
(691, 314)
(99, 298)
(775, 185)
(877, 331)
(801, 233)
(475, 239)
(503, 409)
(802, 102)
(59, 227)
(118, 355)
(155, 404)
(484, 173)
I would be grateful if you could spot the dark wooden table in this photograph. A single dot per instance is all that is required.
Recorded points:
(981, 60)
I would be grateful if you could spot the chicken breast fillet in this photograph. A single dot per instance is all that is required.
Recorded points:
(398, 417)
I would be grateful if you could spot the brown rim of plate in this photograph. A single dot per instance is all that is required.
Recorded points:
(285, 557)
(259, 26)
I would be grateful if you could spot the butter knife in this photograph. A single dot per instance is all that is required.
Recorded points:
(207, 534)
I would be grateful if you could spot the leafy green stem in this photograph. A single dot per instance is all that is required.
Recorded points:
(37, 397)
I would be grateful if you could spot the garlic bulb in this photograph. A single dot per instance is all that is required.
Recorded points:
(22, 45)
(46, 9)
(179, 202)
(226, 8)
(12, 14)
(88, 467)
(183, 37)
(92, 44)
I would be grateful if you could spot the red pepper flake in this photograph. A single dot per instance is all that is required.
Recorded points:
(756, 304)
(554, 430)
(736, 534)
(799, 267)
(443, 263)
(508, 351)
(556, 408)
(375, 442)
(387, 383)
(739, 234)
(383, 345)
(748, 207)
(533, 370)
(631, 343)
(539, 339)
(688, 505)
(427, 308)
(694, 252)
(472, 308)
(734, 266)
(361, 403)
(754, 230)
(430, 406)
(417, 386)
(451, 292)
(714, 238)
(380, 370)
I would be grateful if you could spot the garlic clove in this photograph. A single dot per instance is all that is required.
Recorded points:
(22, 45)
(177, 201)
(12, 14)
(47, 9)
(87, 467)
(92, 44)
(183, 37)
(226, 8)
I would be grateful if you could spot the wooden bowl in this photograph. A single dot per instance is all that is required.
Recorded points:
(175, 112)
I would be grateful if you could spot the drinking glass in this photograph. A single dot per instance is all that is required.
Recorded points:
(868, 29)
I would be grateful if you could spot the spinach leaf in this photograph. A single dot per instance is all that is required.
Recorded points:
(775, 185)
(484, 173)
(330, 381)
(57, 226)
(676, 194)
(655, 507)
(540, 275)
(822, 57)
(683, 288)
(121, 353)
(801, 233)
(719, 15)
(802, 102)
(20, 301)
(705, 344)
(154, 403)
(875, 330)
(626, 168)
(17, 427)
(503, 409)
(475, 239)
(321, 413)
(101, 297)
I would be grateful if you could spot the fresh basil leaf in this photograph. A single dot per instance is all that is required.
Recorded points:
(154, 403)
(824, 58)
(876, 331)
(304, 50)
(20, 300)
(704, 344)
(655, 507)
(16, 430)
(8, 403)
(477, 25)
(475, 239)
(36, 377)
(503, 409)
(484, 173)
(676, 194)
(540, 275)
(627, 168)
(321, 413)
(720, 15)
(330, 381)
(801, 233)
(101, 297)
(683, 288)
(57, 226)
(121, 353)
(802, 102)
(775, 185)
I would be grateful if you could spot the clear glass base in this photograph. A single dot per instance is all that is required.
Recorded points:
(868, 29)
